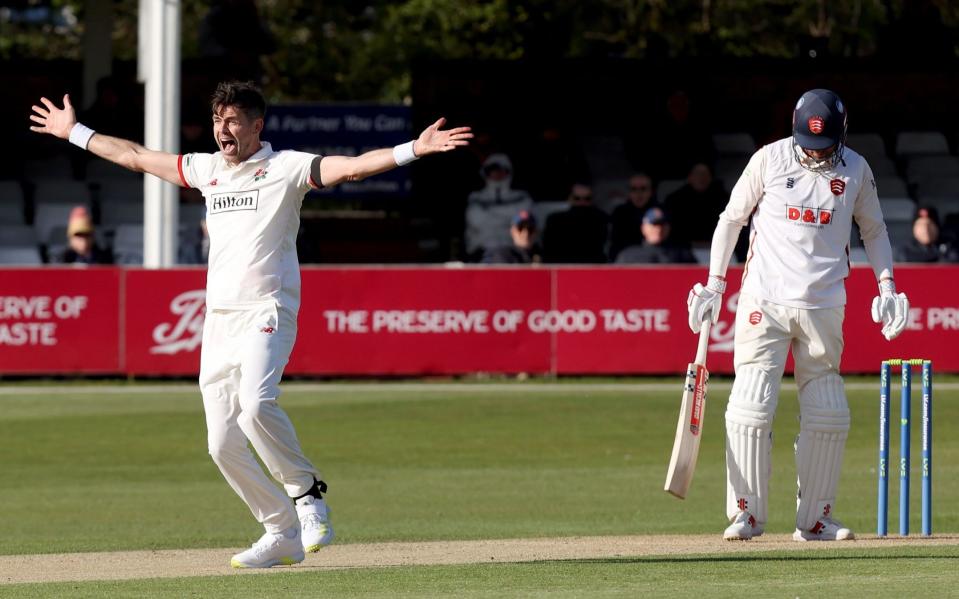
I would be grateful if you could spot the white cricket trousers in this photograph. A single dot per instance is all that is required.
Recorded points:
(241, 362)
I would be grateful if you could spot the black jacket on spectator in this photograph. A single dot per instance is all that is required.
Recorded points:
(97, 256)
(666, 253)
(511, 254)
(941, 251)
(576, 236)
(694, 215)
(626, 222)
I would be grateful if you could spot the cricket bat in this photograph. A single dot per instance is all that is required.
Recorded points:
(689, 429)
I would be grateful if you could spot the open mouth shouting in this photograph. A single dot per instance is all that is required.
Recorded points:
(228, 145)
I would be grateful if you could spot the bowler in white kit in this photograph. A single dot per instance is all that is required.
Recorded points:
(803, 194)
(253, 197)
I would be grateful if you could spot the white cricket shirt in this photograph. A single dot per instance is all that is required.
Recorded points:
(252, 215)
(799, 243)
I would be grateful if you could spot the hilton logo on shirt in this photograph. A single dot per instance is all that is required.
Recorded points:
(809, 216)
(234, 202)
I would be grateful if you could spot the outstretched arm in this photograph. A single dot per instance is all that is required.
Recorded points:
(61, 122)
(332, 170)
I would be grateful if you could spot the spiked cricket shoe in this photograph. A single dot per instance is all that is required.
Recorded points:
(743, 528)
(271, 550)
(825, 529)
(317, 530)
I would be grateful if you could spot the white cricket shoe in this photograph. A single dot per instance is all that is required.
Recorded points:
(825, 529)
(317, 530)
(271, 550)
(743, 528)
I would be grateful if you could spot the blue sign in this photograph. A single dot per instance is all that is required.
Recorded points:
(344, 130)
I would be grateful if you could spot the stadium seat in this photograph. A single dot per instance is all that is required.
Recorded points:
(900, 232)
(922, 168)
(891, 187)
(62, 192)
(667, 187)
(192, 213)
(542, 210)
(49, 215)
(11, 212)
(883, 166)
(116, 212)
(17, 236)
(606, 156)
(58, 167)
(897, 209)
(104, 170)
(120, 190)
(128, 244)
(20, 256)
(869, 145)
(735, 144)
(701, 255)
(729, 169)
(609, 193)
(938, 186)
(921, 143)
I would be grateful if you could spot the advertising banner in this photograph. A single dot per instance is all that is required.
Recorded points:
(398, 321)
(60, 320)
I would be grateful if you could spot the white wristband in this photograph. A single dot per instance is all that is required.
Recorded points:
(716, 283)
(404, 154)
(80, 135)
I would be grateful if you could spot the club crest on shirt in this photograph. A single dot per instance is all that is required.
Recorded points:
(233, 201)
(809, 216)
(260, 173)
(837, 186)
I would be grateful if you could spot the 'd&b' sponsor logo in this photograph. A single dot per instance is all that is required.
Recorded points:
(234, 201)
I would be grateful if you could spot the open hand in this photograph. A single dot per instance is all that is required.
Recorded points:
(433, 139)
(55, 121)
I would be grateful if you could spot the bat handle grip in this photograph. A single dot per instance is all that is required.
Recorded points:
(703, 342)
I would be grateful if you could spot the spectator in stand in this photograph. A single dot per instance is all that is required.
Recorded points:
(656, 247)
(577, 235)
(927, 244)
(681, 136)
(628, 216)
(490, 210)
(524, 249)
(695, 207)
(82, 247)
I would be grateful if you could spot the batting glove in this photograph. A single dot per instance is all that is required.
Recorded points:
(704, 302)
(890, 309)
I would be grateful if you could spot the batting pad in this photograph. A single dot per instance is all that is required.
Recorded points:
(749, 423)
(823, 427)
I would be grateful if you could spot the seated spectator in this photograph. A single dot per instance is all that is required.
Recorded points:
(490, 210)
(523, 250)
(927, 244)
(694, 208)
(82, 248)
(628, 216)
(656, 248)
(577, 235)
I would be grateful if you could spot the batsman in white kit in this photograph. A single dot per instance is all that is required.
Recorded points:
(253, 197)
(803, 193)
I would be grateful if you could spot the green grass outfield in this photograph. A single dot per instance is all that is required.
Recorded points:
(109, 468)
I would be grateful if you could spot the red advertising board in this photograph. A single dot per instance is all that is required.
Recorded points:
(60, 320)
(435, 320)
(163, 312)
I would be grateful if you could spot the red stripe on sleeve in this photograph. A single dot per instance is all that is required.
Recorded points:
(179, 169)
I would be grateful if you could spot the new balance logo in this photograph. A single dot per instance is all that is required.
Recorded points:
(268, 330)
